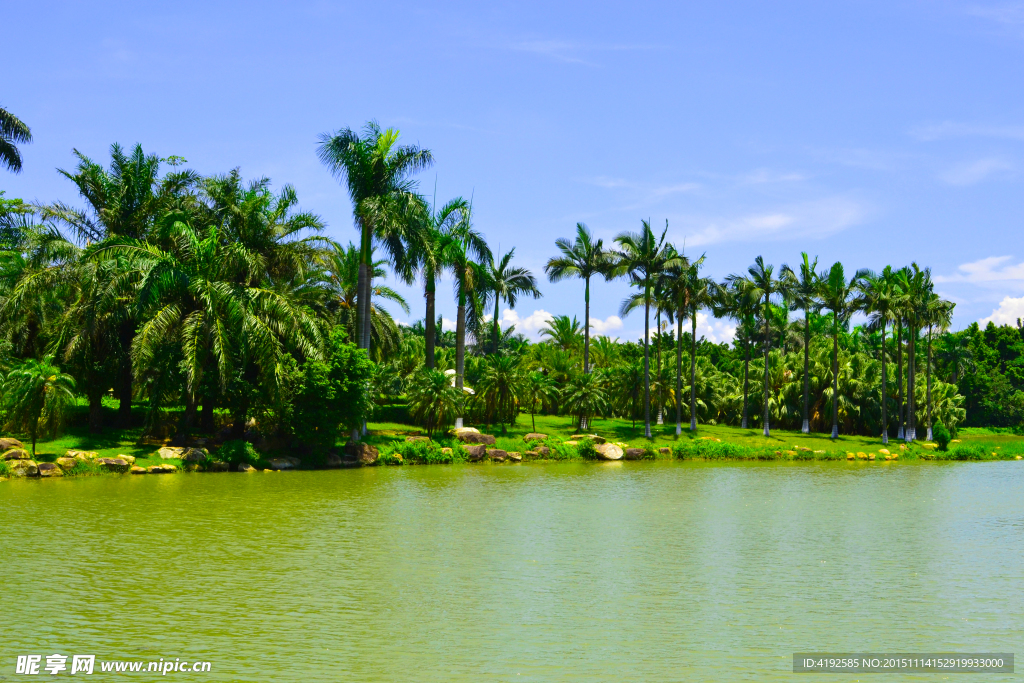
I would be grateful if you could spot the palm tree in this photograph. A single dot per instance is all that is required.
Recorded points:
(508, 283)
(584, 259)
(938, 314)
(12, 130)
(641, 256)
(563, 331)
(760, 285)
(427, 253)
(584, 396)
(915, 285)
(500, 386)
(538, 388)
(803, 288)
(837, 294)
(37, 394)
(878, 298)
(433, 399)
(460, 243)
(376, 171)
(735, 301)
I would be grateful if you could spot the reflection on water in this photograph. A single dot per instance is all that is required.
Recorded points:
(542, 572)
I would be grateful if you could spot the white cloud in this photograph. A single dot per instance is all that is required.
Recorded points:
(601, 327)
(950, 129)
(974, 172)
(447, 325)
(569, 52)
(1009, 312)
(649, 190)
(715, 330)
(991, 269)
(763, 175)
(815, 219)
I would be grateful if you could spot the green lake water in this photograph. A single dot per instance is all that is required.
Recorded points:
(542, 572)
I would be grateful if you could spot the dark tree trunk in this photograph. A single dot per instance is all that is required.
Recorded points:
(95, 413)
(693, 372)
(647, 362)
(586, 328)
(679, 372)
(885, 379)
(206, 423)
(899, 379)
(835, 375)
(806, 426)
(429, 323)
(746, 382)
(124, 410)
(767, 348)
(460, 350)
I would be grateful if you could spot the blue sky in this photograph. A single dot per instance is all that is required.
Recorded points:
(872, 133)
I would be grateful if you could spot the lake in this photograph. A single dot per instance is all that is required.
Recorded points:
(639, 571)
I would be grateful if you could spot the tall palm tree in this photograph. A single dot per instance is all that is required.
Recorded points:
(503, 281)
(761, 285)
(583, 258)
(914, 284)
(427, 253)
(878, 296)
(938, 315)
(12, 130)
(460, 244)
(376, 171)
(735, 301)
(803, 288)
(641, 256)
(837, 294)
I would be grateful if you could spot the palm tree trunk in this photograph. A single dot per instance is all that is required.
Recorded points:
(679, 372)
(586, 328)
(95, 413)
(647, 362)
(460, 349)
(657, 347)
(928, 383)
(429, 324)
(497, 303)
(693, 373)
(885, 380)
(767, 345)
(835, 375)
(746, 382)
(806, 427)
(124, 410)
(911, 384)
(899, 378)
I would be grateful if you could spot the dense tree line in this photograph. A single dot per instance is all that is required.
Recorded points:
(214, 302)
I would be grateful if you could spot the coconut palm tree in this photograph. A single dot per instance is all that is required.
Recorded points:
(641, 256)
(584, 397)
(36, 394)
(12, 131)
(433, 400)
(803, 289)
(427, 253)
(376, 171)
(735, 301)
(837, 294)
(509, 283)
(500, 386)
(584, 258)
(538, 388)
(937, 315)
(761, 285)
(878, 297)
(563, 331)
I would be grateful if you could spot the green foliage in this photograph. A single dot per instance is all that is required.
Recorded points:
(237, 452)
(966, 452)
(428, 453)
(5, 470)
(37, 396)
(586, 450)
(332, 393)
(941, 436)
(434, 402)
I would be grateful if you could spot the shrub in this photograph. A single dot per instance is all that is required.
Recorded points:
(941, 436)
(586, 450)
(5, 470)
(428, 453)
(563, 451)
(972, 452)
(237, 452)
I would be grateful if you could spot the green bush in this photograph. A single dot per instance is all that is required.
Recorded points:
(237, 452)
(941, 436)
(428, 453)
(563, 451)
(5, 470)
(965, 452)
(586, 450)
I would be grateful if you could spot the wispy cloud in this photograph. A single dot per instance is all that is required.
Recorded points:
(572, 52)
(950, 129)
(1008, 13)
(763, 176)
(994, 269)
(973, 172)
(812, 219)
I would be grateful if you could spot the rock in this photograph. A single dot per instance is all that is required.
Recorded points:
(471, 435)
(593, 437)
(113, 464)
(66, 463)
(281, 464)
(665, 450)
(137, 470)
(884, 451)
(496, 454)
(572, 443)
(514, 456)
(49, 469)
(413, 439)
(161, 469)
(218, 466)
(535, 436)
(850, 456)
(246, 467)
(871, 457)
(1017, 457)
(9, 442)
(790, 453)
(455, 431)
(169, 452)
(333, 460)
(861, 455)
(23, 468)
(130, 459)
(634, 454)
(197, 455)
(543, 451)
(82, 455)
(16, 454)
(888, 457)
(364, 453)
(476, 453)
(446, 451)
(608, 451)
